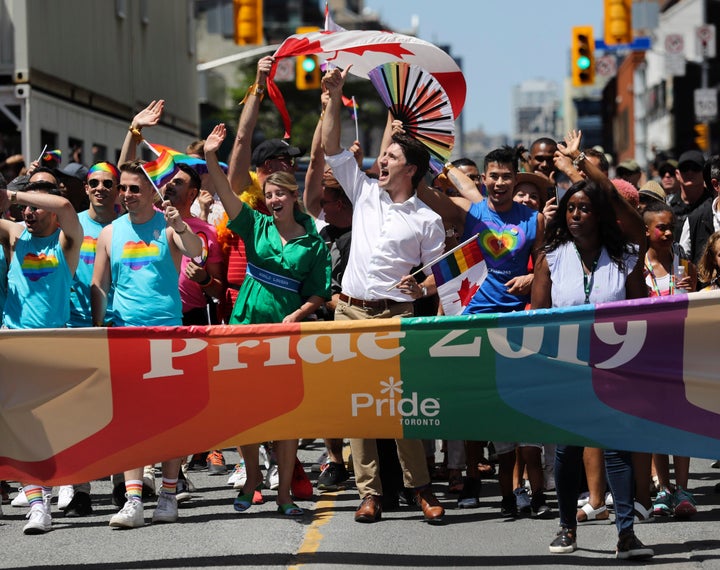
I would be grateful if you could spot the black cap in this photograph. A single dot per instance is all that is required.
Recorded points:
(273, 147)
(693, 157)
(74, 170)
(19, 183)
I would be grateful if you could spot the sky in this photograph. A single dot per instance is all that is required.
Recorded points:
(501, 43)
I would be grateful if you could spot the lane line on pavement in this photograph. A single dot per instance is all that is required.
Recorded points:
(324, 512)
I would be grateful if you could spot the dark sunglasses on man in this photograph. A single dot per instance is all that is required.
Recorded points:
(94, 183)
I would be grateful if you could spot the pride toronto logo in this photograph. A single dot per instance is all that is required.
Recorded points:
(410, 410)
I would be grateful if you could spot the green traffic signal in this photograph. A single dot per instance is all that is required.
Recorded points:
(583, 62)
(309, 64)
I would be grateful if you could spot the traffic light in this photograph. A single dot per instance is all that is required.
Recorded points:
(307, 67)
(582, 56)
(248, 17)
(307, 72)
(618, 22)
(702, 136)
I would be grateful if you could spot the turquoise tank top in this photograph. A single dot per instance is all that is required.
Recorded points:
(143, 274)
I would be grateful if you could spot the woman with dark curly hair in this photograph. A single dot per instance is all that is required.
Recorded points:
(595, 246)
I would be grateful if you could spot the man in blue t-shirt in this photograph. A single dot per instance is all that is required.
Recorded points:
(510, 235)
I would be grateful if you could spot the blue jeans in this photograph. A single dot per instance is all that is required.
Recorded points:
(619, 472)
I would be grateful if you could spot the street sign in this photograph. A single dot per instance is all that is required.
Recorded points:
(638, 44)
(674, 43)
(706, 108)
(285, 70)
(705, 36)
(606, 66)
(675, 64)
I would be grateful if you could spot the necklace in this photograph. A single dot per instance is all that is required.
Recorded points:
(653, 280)
(588, 280)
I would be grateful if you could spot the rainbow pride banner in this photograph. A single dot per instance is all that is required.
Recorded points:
(78, 404)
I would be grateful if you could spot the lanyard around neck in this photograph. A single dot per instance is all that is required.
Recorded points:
(653, 280)
(588, 280)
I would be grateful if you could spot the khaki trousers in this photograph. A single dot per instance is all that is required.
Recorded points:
(411, 453)
(364, 451)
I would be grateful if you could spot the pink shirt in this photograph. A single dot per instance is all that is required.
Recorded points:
(191, 293)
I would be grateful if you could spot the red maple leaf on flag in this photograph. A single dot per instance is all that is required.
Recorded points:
(467, 291)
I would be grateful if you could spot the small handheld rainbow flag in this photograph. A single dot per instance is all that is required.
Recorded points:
(459, 274)
(198, 164)
(52, 156)
(352, 105)
(161, 170)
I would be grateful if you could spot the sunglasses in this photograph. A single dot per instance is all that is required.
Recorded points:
(94, 183)
(283, 158)
(133, 189)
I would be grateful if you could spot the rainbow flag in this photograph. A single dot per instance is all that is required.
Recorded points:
(161, 170)
(352, 105)
(459, 275)
(52, 156)
(198, 164)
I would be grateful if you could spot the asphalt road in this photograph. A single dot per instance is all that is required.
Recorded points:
(210, 534)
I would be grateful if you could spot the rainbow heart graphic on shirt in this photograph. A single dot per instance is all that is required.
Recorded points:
(498, 243)
(36, 267)
(138, 254)
(87, 250)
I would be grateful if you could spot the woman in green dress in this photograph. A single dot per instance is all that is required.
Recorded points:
(288, 278)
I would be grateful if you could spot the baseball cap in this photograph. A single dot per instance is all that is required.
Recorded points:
(693, 157)
(273, 147)
(629, 165)
(75, 170)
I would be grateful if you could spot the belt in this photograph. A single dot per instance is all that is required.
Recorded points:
(381, 304)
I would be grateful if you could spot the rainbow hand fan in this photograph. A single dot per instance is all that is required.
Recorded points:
(415, 97)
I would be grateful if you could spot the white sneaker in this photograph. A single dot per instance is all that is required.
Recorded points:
(20, 500)
(39, 521)
(264, 457)
(130, 516)
(238, 477)
(272, 477)
(167, 509)
(65, 495)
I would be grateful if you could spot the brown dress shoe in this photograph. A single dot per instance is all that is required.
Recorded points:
(370, 510)
(431, 507)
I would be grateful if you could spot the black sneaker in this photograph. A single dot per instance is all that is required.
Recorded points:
(508, 506)
(332, 477)
(565, 541)
(198, 462)
(629, 547)
(468, 498)
(80, 506)
(538, 506)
